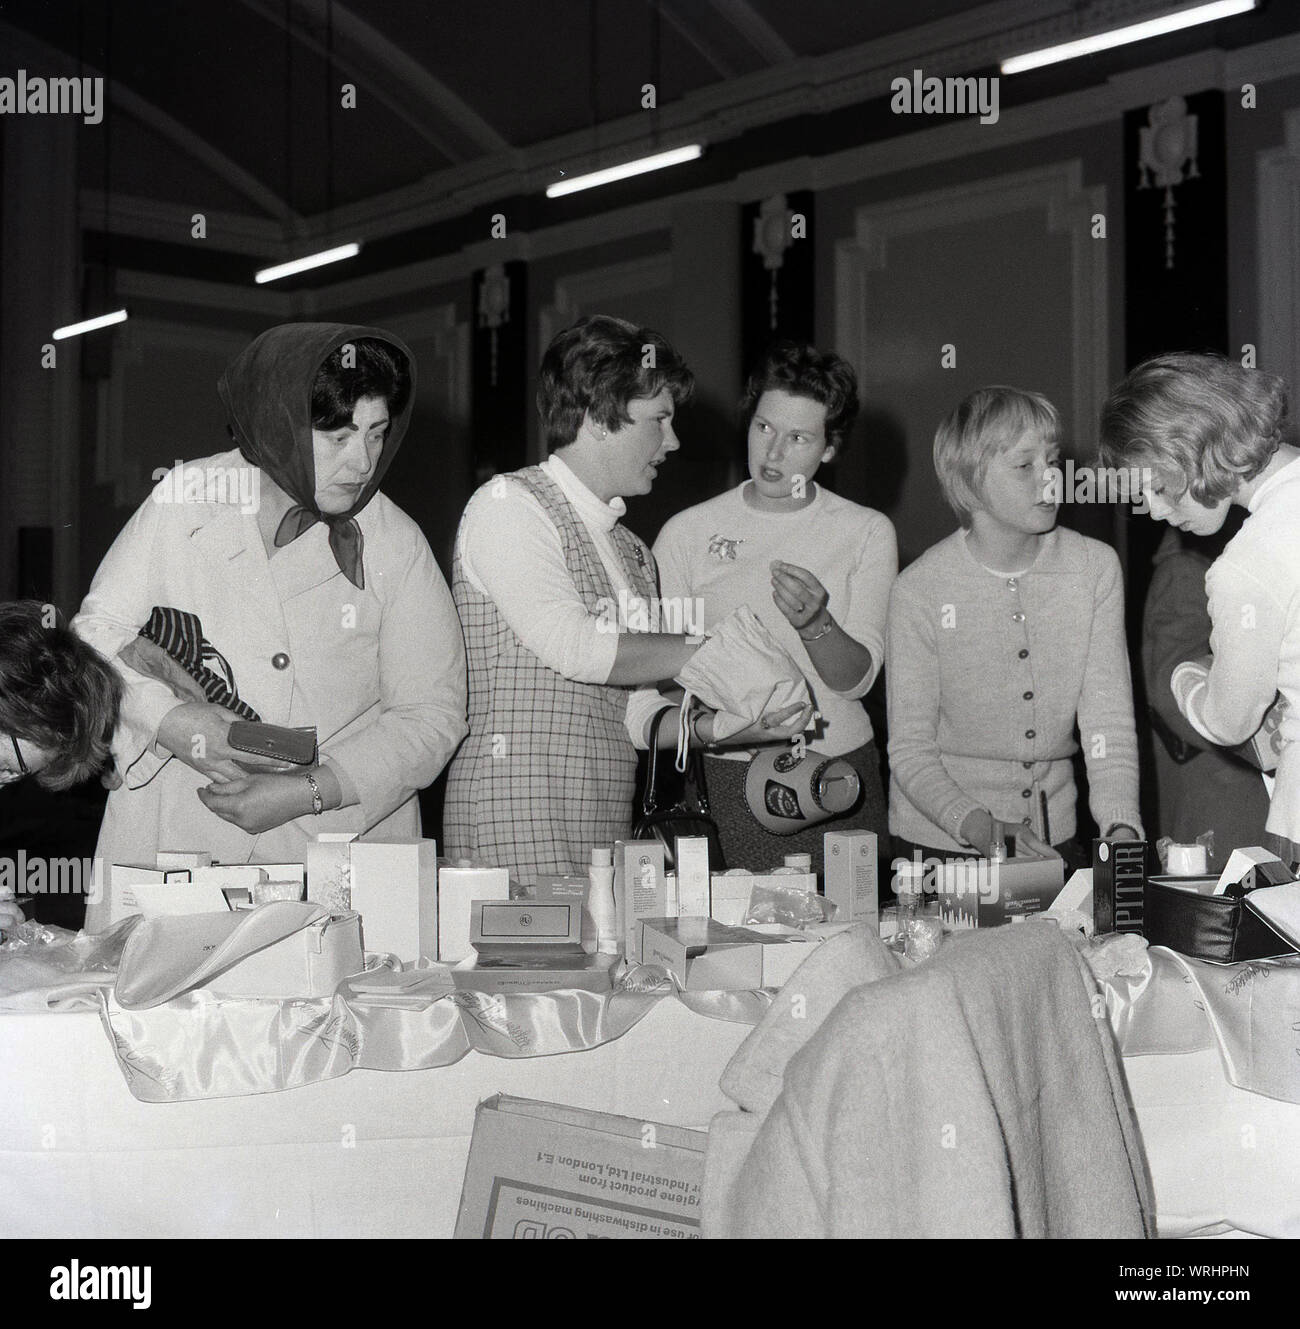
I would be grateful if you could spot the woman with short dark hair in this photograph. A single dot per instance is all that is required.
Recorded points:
(276, 583)
(549, 768)
(813, 566)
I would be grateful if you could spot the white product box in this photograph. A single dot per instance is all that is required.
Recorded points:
(692, 855)
(124, 877)
(177, 858)
(395, 890)
(459, 884)
(329, 871)
(640, 889)
(850, 876)
(729, 894)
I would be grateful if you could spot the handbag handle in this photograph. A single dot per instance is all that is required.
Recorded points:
(694, 776)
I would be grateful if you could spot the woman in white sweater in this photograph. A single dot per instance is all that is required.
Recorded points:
(1001, 639)
(814, 567)
(1208, 433)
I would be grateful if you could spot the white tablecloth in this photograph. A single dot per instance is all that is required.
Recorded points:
(377, 1154)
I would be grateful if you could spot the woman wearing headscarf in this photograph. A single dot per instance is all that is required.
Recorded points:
(276, 583)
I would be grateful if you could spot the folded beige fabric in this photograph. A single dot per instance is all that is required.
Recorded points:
(743, 672)
(978, 1095)
(754, 1076)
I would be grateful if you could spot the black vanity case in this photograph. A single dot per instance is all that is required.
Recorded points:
(1206, 927)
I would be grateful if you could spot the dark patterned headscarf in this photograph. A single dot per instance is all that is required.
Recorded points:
(267, 390)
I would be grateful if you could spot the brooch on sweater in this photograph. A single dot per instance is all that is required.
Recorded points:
(723, 549)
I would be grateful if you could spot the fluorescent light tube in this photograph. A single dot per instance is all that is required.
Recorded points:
(1134, 32)
(90, 325)
(303, 264)
(638, 167)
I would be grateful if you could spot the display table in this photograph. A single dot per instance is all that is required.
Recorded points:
(375, 1154)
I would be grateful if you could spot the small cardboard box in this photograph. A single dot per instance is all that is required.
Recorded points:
(691, 854)
(329, 871)
(979, 893)
(729, 894)
(535, 971)
(640, 889)
(124, 877)
(850, 876)
(706, 956)
(310, 963)
(395, 890)
(459, 885)
(1119, 878)
(541, 1170)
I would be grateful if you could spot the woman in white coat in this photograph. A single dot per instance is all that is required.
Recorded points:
(288, 588)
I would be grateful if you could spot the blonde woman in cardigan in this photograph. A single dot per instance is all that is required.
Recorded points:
(1002, 639)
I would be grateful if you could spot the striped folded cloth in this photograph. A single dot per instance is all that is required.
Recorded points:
(174, 637)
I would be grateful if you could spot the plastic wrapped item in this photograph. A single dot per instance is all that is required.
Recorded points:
(1185, 860)
(68, 952)
(773, 902)
(922, 938)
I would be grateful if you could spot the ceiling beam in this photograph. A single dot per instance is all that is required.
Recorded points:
(393, 78)
(756, 30)
(16, 40)
(691, 35)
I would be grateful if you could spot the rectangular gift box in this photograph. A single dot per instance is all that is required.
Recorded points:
(123, 878)
(640, 889)
(850, 876)
(984, 893)
(329, 870)
(691, 855)
(729, 894)
(705, 955)
(1119, 872)
(542, 1170)
(527, 970)
(459, 885)
(395, 890)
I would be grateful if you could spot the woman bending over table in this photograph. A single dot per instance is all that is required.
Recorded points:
(276, 583)
(1001, 639)
(59, 701)
(1208, 433)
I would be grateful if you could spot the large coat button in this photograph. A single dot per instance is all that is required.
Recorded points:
(280, 660)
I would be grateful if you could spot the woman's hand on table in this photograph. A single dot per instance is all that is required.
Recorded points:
(198, 733)
(798, 594)
(257, 803)
(984, 831)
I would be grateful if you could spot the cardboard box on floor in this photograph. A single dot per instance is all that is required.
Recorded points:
(542, 1170)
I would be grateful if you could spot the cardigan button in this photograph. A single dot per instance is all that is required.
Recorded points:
(1028, 765)
(1024, 793)
(280, 660)
(1029, 696)
(1017, 618)
(1031, 733)
(1024, 655)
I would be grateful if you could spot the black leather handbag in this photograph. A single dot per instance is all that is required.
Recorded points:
(688, 816)
(1219, 928)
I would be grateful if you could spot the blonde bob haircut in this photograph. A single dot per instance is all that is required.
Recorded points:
(1205, 424)
(986, 424)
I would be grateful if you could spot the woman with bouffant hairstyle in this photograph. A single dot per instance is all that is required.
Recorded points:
(58, 700)
(1209, 433)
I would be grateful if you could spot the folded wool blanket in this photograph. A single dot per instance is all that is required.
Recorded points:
(977, 1095)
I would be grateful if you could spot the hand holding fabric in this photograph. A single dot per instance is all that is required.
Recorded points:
(742, 672)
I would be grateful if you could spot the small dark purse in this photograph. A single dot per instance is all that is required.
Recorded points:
(681, 818)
